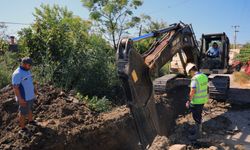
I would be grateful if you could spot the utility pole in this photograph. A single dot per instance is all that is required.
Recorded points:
(235, 34)
(140, 30)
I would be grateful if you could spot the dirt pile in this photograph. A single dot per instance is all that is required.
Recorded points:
(219, 128)
(67, 123)
(64, 123)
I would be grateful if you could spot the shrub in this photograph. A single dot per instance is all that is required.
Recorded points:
(95, 103)
(4, 76)
(8, 63)
(67, 54)
(244, 55)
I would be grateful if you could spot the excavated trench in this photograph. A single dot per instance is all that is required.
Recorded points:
(66, 123)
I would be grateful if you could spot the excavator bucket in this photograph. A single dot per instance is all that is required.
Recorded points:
(135, 72)
(138, 88)
(139, 79)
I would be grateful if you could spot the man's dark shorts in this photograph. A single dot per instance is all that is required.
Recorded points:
(25, 110)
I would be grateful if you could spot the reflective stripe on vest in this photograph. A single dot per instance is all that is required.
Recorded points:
(201, 95)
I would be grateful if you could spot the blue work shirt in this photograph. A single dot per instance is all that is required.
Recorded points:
(23, 79)
(215, 52)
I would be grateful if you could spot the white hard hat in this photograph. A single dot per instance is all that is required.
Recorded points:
(189, 66)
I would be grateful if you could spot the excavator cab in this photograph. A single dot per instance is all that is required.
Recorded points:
(216, 67)
(212, 63)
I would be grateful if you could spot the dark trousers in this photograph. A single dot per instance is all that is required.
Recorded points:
(196, 110)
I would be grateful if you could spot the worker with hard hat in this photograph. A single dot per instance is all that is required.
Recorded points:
(198, 95)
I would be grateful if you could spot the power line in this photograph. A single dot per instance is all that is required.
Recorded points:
(18, 23)
(235, 34)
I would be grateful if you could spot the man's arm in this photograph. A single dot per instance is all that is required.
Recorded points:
(191, 94)
(192, 90)
(18, 95)
(16, 81)
(208, 50)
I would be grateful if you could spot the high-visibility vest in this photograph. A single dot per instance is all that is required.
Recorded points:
(201, 94)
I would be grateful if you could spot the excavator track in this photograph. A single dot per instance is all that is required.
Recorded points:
(168, 82)
(219, 86)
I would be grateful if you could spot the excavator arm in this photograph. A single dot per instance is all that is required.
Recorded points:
(135, 71)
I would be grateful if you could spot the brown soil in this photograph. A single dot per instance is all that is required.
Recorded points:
(221, 128)
(65, 123)
(226, 125)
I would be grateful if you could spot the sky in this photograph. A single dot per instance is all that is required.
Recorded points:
(206, 16)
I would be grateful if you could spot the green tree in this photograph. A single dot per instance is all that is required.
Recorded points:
(66, 54)
(8, 60)
(113, 17)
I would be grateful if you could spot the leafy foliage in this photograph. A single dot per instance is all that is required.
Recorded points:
(95, 103)
(113, 17)
(3, 46)
(8, 63)
(66, 54)
(150, 25)
(244, 55)
(165, 69)
(4, 76)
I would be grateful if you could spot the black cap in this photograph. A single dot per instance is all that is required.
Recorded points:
(12, 37)
(27, 60)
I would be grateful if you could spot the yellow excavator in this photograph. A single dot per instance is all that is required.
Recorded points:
(135, 71)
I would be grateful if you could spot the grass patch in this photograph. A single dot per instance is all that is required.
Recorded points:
(95, 103)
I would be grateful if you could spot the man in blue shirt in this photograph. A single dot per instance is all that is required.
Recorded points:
(214, 51)
(24, 91)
